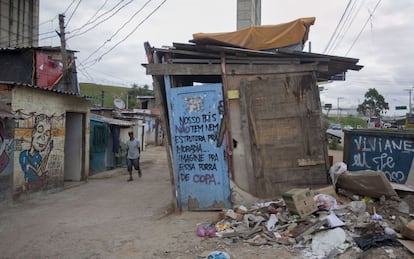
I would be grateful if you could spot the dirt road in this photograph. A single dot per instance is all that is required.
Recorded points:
(108, 217)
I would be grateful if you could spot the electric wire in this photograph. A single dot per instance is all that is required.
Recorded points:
(47, 21)
(95, 25)
(361, 3)
(67, 8)
(339, 36)
(117, 31)
(363, 27)
(127, 36)
(337, 27)
(74, 11)
(96, 12)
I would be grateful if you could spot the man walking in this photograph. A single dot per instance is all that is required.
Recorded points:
(133, 151)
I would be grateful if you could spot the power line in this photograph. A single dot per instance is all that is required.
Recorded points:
(74, 11)
(128, 35)
(341, 34)
(50, 20)
(84, 71)
(351, 22)
(363, 27)
(96, 13)
(119, 29)
(8, 40)
(94, 26)
(67, 8)
(337, 26)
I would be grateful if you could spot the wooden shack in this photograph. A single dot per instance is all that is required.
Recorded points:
(270, 119)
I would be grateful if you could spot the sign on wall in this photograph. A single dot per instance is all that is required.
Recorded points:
(391, 155)
(200, 164)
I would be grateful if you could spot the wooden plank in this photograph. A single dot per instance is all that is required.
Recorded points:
(159, 92)
(231, 69)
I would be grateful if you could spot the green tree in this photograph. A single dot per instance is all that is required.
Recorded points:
(135, 91)
(374, 104)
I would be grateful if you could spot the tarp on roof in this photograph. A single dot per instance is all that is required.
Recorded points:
(261, 37)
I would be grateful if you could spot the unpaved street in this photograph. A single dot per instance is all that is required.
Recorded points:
(109, 217)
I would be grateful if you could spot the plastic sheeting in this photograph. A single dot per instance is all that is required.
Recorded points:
(261, 37)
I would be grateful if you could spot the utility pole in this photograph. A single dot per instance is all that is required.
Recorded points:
(102, 98)
(337, 108)
(63, 52)
(409, 100)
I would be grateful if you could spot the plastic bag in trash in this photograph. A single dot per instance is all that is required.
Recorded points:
(325, 202)
(206, 230)
(337, 169)
(218, 255)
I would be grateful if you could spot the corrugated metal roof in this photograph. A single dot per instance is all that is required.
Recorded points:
(44, 89)
(35, 48)
(6, 114)
(112, 121)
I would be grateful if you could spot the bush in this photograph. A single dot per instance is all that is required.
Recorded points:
(333, 144)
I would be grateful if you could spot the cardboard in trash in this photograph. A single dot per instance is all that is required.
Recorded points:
(366, 182)
(300, 201)
(409, 244)
(408, 230)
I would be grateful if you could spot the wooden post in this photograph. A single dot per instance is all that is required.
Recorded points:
(64, 53)
(226, 132)
(164, 122)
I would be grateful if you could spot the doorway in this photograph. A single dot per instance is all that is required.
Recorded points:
(74, 146)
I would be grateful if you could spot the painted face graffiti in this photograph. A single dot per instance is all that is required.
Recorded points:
(33, 161)
(41, 135)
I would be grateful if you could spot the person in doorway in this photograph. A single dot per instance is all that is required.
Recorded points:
(133, 151)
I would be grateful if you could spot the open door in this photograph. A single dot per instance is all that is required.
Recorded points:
(74, 143)
(200, 165)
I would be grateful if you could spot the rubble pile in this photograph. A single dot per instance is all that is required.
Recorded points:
(325, 222)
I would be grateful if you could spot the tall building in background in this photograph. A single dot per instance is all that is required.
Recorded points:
(19, 23)
(248, 13)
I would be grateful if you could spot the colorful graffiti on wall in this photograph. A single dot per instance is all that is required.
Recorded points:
(35, 145)
(33, 161)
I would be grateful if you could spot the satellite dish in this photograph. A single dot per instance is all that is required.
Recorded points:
(119, 103)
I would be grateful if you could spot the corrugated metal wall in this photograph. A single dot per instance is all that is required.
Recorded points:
(19, 23)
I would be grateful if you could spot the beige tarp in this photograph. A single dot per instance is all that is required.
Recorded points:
(261, 37)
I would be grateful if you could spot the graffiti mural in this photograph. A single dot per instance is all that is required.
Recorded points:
(5, 150)
(33, 161)
(200, 161)
(391, 155)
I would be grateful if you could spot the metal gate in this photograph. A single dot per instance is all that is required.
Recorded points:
(200, 165)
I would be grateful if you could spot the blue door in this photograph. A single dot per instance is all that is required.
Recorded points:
(200, 165)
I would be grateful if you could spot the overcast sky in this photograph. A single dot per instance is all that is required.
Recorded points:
(378, 33)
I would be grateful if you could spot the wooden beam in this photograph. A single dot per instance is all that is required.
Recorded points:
(231, 69)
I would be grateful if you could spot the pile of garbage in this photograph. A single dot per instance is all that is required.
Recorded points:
(360, 210)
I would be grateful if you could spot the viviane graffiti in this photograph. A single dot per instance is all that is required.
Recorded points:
(393, 156)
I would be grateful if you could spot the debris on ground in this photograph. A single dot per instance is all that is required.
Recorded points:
(326, 222)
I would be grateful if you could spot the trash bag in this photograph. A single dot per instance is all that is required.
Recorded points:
(206, 230)
(376, 240)
(336, 170)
